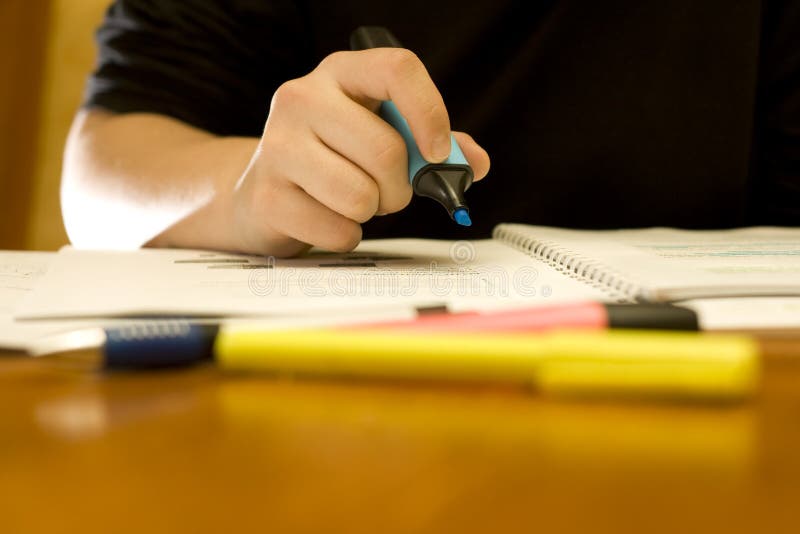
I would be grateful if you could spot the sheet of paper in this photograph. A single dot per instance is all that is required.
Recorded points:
(379, 274)
(671, 264)
(751, 313)
(19, 273)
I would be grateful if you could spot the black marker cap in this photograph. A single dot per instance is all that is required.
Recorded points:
(651, 316)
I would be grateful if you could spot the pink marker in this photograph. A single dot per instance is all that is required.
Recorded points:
(585, 315)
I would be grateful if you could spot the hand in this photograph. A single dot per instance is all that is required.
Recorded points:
(327, 162)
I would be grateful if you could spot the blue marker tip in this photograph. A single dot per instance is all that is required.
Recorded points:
(461, 216)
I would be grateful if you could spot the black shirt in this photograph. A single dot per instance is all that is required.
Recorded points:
(596, 114)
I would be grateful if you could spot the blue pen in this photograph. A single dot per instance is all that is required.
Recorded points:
(138, 345)
(142, 344)
(444, 182)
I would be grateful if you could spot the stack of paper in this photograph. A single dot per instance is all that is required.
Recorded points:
(381, 279)
(379, 274)
(42, 293)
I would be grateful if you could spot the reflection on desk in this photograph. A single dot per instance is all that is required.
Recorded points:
(196, 451)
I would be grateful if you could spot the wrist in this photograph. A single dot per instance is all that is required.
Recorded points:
(212, 225)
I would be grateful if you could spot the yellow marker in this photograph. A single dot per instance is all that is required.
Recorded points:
(664, 364)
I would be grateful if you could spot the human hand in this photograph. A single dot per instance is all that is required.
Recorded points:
(327, 162)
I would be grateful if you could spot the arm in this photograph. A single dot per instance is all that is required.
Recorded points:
(143, 178)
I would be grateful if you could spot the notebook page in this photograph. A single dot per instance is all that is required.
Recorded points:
(666, 264)
(747, 313)
(379, 274)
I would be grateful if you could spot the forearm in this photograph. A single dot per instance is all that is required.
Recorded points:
(144, 179)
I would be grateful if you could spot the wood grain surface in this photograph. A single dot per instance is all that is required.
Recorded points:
(199, 451)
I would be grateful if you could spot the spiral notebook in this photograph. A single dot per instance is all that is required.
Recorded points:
(667, 264)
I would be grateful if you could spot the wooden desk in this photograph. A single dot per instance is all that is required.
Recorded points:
(194, 451)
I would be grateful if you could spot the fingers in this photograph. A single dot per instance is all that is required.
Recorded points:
(476, 156)
(335, 182)
(371, 144)
(295, 214)
(395, 74)
(327, 162)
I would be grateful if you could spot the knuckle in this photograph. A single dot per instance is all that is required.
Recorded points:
(344, 237)
(283, 248)
(403, 64)
(362, 200)
(292, 93)
(436, 113)
(397, 201)
(464, 137)
(390, 152)
(331, 60)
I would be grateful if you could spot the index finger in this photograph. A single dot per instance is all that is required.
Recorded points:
(396, 74)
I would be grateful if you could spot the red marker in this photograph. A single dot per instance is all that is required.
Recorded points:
(587, 315)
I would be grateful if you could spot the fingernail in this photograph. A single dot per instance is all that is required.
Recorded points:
(441, 148)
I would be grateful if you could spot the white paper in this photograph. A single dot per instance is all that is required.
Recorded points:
(19, 273)
(381, 274)
(747, 313)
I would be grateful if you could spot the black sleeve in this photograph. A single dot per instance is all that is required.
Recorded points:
(777, 150)
(211, 63)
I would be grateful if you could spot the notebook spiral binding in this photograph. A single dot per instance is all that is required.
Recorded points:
(571, 264)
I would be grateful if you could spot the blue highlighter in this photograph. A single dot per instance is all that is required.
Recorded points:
(444, 182)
